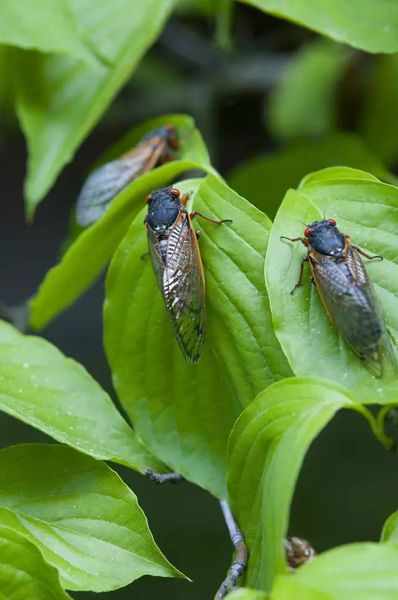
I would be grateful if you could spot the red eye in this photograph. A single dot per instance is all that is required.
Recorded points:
(174, 192)
(148, 198)
(332, 222)
(307, 232)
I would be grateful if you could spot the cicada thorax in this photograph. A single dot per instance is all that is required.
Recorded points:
(346, 292)
(104, 183)
(177, 264)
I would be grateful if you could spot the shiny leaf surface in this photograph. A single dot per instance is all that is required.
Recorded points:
(84, 519)
(56, 395)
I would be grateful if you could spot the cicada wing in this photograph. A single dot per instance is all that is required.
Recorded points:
(179, 271)
(351, 304)
(104, 183)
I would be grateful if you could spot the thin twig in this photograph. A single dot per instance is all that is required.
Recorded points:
(241, 552)
(164, 477)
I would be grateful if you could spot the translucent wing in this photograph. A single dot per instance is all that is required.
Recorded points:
(350, 302)
(108, 180)
(178, 267)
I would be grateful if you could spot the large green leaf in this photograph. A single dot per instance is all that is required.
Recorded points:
(45, 25)
(365, 209)
(362, 571)
(85, 520)
(267, 447)
(183, 412)
(60, 99)
(265, 179)
(23, 571)
(378, 123)
(365, 24)
(87, 256)
(303, 102)
(43, 388)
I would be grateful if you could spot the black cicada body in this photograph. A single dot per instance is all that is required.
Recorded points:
(346, 292)
(177, 264)
(108, 180)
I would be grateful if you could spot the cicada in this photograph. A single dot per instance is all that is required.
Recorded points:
(346, 292)
(108, 180)
(176, 261)
(298, 551)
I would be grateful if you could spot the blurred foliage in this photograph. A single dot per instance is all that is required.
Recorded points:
(264, 180)
(303, 103)
(379, 124)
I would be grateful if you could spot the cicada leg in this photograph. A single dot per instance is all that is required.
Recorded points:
(184, 199)
(196, 213)
(366, 255)
(300, 278)
(298, 239)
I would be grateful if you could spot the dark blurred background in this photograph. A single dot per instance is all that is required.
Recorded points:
(348, 485)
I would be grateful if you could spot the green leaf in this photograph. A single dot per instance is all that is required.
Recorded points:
(23, 571)
(365, 24)
(264, 180)
(45, 25)
(303, 102)
(60, 99)
(183, 412)
(43, 388)
(92, 250)
(364, 571)
(84, 519)
(390, 529)
(378, 123)
(365, 209)
(267, 447)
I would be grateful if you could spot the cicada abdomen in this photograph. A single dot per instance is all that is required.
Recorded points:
(347, 292)
(177, 264)
(104, 183)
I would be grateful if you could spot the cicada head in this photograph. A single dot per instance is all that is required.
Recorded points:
(171, 135)
(164, 206)
(324, 237)
(167, 133)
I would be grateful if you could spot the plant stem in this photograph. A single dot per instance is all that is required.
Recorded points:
(239, 563)
(164, 477)
(377, 425)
